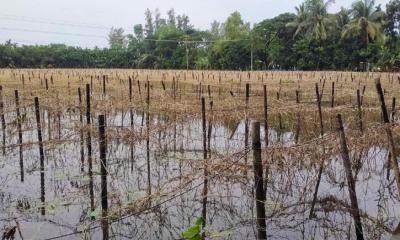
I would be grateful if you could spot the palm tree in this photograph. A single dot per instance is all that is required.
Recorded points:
(300, 22)
(366, 21)
(342, 18)
(318, 18)
(312, 19)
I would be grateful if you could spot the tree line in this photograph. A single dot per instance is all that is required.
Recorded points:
(311, 39)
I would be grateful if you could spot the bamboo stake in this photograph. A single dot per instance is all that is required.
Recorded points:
(258, 181)
(355, 212)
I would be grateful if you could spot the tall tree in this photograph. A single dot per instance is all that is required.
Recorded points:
(312, 19)
(235, 28)
(300, 22)
(318, 18)
(342, 18)
(393, 17)
(183, 22)
(171, 17)
(116, 38)
(149, 27)
(215, 29)
(158, 20)
(138, 31)
(272, 42)
(366, 21)
(391, 52)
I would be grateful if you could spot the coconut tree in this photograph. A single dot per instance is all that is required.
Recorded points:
(300, 21)
(312, 19)
(366, 22)
(342, 18)
(318, 18)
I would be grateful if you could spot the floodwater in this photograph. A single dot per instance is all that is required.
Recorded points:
(61, 205)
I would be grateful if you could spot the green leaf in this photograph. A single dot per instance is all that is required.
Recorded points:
(85, 178)
(221, 234)
(96, 213)
(53, 205)
(199, 221)
(192, 233)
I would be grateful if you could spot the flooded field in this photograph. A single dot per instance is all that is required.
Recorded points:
(178, 161)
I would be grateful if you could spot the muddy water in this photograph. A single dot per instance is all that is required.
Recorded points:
(67, 212)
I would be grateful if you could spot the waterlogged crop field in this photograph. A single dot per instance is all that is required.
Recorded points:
(139, 154)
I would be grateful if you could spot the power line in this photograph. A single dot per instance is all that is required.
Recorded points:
(194, 41)
(53, 22)
(30, 42)
(50, 32)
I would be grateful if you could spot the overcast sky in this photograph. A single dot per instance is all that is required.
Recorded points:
(37, 21)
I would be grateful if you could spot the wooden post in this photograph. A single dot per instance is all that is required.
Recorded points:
(258, 181)
(393, 150)
(393, 109)
(362, 94)
(321, 167)
(130, 102)
(266, 137)
(333, 95)
(322, 89)
(82, 151)
(41, 154)
(200, 90)
(205, 185)
(247, 94)
(3, 121)
(59, 124)
(174, 84)
(148, 139)
(138, 83)
(297, 134)
(91, 85)
(130, 88)
(266, 140)
(381, 97)
(103, 172)
(49, 123)
(19, 127)
(209, 129)
(321, 123)
(246, 123)
(359, 110)
(355, 212)
(104, 85)
(89, 147)
(163, 84)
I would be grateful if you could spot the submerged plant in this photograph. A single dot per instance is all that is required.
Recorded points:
(194, 232)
